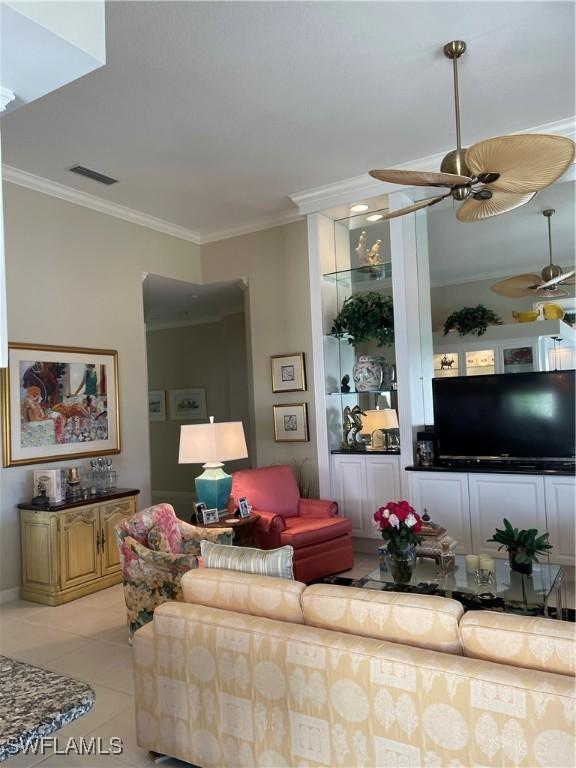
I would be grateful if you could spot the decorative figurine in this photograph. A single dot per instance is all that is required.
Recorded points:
(445, 363)
(352, 425)
(345, 384)
(374, 254)
(361, 248)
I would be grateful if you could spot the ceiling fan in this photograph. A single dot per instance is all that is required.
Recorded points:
(492, 176)
(547, 283)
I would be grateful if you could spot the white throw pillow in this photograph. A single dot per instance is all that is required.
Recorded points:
(266, 562)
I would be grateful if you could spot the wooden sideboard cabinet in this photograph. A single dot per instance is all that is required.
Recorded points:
(69, 549)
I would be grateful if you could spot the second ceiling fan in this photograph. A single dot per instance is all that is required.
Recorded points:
(492, 176)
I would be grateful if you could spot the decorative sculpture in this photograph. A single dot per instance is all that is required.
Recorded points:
(446, 363)
(368, 258)
(345, 384)
(361, 248)
(374, 254)
(352, 425)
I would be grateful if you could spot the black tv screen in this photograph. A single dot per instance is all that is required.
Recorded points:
(516, 415)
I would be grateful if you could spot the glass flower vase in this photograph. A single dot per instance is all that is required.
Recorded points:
(401, 563)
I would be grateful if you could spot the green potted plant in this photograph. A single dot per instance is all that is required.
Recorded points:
(471, 320)
(366, 316)
(522, 546)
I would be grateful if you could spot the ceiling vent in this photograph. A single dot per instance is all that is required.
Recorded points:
(94, 175)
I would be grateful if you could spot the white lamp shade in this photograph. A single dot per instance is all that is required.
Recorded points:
(212, 443)
(384, 418)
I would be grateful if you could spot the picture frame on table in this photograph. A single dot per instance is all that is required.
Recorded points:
(288, 372)
(199, 509)
(59, 403)
(188, 404)
(157, 405)
(243, 507)
(290, 423)
(210, 516)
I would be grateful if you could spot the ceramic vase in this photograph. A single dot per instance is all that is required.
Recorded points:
(372, 374)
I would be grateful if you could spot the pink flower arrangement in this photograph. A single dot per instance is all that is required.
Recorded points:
(399, 524)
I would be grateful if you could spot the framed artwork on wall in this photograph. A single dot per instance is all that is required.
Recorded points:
(157, 405)
(291, 423)
(59, 403)
(288, 373)
(188, 404)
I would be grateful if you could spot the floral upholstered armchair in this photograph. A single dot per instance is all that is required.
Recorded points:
(156, 548)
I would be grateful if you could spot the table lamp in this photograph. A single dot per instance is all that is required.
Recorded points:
(375, 423)
(210, 445)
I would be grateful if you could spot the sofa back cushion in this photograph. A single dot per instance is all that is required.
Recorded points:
(521, 641)
(424, 621)
(265, 596)
(271, 489)
(271, 562)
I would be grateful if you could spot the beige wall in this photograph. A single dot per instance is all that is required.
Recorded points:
(274, 263)
(74, 277)
(211, 355)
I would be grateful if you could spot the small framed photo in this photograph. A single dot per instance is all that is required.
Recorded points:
(188, 404)
(291, 423)
(157, 405)
(288, 373)
(210, 516)
(243, 507)
(199, 510)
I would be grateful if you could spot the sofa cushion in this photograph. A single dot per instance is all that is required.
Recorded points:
(301, 531)
(245, 592)
(522, 641)
(271, 562)
(425, 621)
(271, 488)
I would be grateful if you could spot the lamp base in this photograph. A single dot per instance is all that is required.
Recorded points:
(213, 486)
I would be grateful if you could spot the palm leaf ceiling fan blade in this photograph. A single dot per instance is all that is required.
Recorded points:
(550, 293)
(474, 209)
(516, 287)
(526, 163)
(420, 178)
(415, 207)
(562, 279)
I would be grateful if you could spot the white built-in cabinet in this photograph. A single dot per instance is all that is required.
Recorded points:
(445, 497)
(362, 483)
(560, 499)
(472, 505)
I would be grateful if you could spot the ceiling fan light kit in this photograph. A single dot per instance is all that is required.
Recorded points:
(492, 176)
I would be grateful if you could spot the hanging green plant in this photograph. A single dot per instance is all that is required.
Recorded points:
(471, 320)
(366, 316)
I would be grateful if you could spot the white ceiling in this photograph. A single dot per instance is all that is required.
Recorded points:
(176, 302)
(212, 113)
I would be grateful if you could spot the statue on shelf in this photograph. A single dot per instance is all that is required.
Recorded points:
(368, 258)
(352, 425)
(361, 248)
(374, 254)
(345, 384)
(446, 363)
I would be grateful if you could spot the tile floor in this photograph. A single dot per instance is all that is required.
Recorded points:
(88, 639)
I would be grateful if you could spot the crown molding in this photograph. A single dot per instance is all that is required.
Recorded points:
(312, 200)
(247, 229)
(358, 189)
(6, 96)
(71, 195)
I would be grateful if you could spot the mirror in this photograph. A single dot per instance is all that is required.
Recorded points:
(466, 260)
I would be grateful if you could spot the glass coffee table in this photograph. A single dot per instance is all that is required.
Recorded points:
(543, 593)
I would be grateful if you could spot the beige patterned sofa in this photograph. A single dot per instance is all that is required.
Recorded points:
(256, 671)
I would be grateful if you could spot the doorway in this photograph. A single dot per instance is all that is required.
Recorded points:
(197, 358)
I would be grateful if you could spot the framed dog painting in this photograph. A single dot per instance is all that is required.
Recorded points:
(59, 403)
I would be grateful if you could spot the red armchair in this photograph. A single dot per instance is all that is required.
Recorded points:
(321, 539)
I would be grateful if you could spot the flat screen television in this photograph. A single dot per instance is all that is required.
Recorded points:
(524, 416)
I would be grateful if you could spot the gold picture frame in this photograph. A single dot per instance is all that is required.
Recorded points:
(288, 372)
(59, 403)
(291, 423)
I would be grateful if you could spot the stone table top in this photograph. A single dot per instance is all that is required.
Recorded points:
(35, 702)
